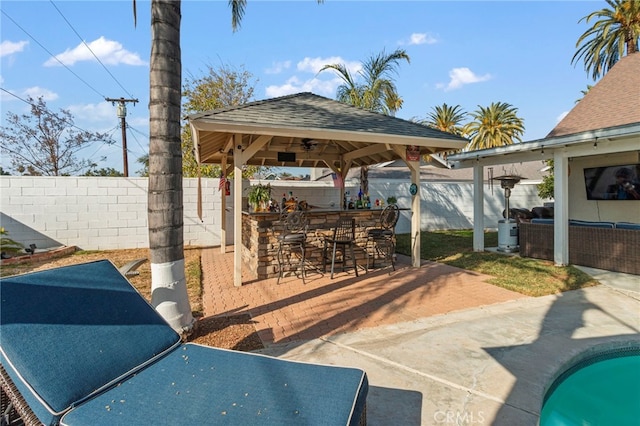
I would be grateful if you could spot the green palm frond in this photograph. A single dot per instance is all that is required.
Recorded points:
(614, 33)
(495, 125)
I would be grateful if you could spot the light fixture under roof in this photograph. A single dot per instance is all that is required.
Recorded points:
(308, 144)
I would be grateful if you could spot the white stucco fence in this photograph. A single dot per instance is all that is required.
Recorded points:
(98, 213)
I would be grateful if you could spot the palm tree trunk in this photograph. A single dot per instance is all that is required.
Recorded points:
(168, 282)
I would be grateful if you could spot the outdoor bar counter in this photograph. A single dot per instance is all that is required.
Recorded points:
(259, 245)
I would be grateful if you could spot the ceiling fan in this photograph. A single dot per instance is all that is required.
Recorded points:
(308, 144)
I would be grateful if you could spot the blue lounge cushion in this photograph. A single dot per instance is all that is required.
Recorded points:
(69, 332)
(198, 385)
(627, 225)
(545, 221)
(574, 222)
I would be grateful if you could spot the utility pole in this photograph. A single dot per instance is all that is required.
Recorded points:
(122, 115)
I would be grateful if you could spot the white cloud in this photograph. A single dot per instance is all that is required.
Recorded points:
(37, 92)
(314, 65)
(94, 113)
(10, 47)
(295, 85)
(460, 77)
(561, 116)
(420, 38)
(108, 51)
(278, 67)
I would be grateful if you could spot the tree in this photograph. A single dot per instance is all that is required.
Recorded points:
(446, 118)
(44, 143)
(218, 88)
(545, 188)
(374, 90)
(615, 32)
(144, 160)
(105, 171)
(165, 206)
(495, 125)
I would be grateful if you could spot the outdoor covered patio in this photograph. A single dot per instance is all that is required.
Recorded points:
(307, 130)
(602, 130)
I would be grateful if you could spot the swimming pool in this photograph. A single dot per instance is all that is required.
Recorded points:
(602, 389)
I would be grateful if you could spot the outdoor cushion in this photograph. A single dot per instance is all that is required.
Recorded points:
(591, 224)
(542, 220)
(198, 385)
(83, 347)
(69, 332)
(627, 225)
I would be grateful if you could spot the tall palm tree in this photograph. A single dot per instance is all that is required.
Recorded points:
(616, 31)
(446, 118)
(165, 197)
(372, 89)
(495, 125)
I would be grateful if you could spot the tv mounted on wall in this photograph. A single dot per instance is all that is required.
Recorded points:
(613, 182)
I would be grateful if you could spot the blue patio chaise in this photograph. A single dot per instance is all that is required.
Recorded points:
(80, 346)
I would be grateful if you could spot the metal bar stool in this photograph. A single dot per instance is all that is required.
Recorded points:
(381, 241)
(344, 237)
(293, 236)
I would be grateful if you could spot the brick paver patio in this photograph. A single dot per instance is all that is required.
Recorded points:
(292, 310)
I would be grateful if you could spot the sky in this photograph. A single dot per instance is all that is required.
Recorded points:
(467, 53)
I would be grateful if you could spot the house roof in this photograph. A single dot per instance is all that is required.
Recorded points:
(334, 133)
(613, 101)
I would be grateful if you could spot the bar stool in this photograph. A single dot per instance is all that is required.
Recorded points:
(381, 241)
(343, 238)
(293, 236)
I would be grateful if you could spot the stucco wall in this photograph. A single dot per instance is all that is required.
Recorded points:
(107, 213)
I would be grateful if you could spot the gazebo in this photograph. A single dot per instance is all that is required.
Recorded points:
(307, 130)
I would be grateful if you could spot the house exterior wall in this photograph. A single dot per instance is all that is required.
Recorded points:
(98, 213)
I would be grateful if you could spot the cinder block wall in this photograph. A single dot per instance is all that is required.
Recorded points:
(97, 213)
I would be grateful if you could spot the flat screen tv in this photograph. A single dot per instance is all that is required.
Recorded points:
(613, 182)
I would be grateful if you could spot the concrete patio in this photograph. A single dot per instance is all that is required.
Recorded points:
(439, 344)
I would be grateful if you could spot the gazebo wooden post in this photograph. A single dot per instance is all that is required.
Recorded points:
(238, 162)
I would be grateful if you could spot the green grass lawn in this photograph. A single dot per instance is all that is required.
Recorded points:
(533, 277)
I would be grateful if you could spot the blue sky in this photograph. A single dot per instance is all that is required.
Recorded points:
(462, 53)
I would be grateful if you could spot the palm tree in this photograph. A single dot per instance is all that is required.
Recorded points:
(165, 204)
(375, 90)
(615, 31)
(495, 125)
(446, 118)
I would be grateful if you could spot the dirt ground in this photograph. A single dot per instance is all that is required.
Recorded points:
(233, 332)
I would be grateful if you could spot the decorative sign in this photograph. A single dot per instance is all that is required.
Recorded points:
(413, 153)
(413, 189)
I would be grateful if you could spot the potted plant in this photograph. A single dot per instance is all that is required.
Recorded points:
(259, 196)
(392, 200)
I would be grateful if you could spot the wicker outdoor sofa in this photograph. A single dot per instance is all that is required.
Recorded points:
(80, 346)
(603, 245)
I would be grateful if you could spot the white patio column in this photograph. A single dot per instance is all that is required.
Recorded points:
(560, 208)
(478, 207)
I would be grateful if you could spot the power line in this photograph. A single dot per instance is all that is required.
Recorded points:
(52, 55)
(87, 46)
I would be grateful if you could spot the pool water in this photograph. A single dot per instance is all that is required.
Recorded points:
(604, 390)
